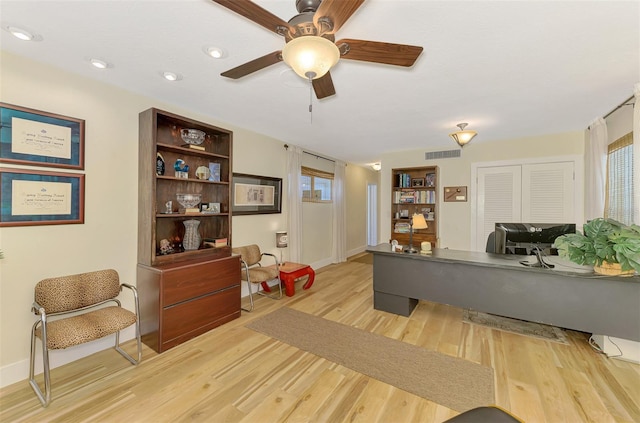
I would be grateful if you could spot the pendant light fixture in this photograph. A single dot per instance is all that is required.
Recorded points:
(463, 137)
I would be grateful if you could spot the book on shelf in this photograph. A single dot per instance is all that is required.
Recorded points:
(402, 228)
(215, 242)
(193, 147)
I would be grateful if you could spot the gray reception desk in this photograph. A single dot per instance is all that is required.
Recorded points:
(499, 284)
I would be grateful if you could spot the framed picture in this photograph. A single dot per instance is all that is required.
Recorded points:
(32, 137)
(30, 197)
(431, 179)
(256, 194)
(417, 182)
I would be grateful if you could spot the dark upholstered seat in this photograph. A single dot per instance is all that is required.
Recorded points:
(491, 414)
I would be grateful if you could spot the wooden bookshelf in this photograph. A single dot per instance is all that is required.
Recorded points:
(414, 190)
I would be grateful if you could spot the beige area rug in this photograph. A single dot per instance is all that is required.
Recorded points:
(520, 327)
(453, 382)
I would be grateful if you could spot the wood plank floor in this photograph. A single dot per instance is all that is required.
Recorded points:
(233, 374)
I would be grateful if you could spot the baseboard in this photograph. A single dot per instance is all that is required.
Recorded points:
(356, 251)
(622, 349)
(19, 371)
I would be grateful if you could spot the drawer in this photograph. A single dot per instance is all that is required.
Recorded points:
(192, 318)
(194, 280)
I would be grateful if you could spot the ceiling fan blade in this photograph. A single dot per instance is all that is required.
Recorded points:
(257, 14)
(324, 86)
(254, 65)
(374, 51)
(338, 11)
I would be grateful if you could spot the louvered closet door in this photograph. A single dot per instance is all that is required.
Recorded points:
(548, 193)
(498, 199)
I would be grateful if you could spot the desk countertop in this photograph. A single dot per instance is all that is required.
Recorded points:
(507, 261)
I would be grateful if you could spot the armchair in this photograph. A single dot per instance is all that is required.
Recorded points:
(254, 273)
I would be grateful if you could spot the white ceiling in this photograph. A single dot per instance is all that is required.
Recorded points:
(508, 68)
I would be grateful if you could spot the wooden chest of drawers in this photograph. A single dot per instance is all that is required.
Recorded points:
(180, 301)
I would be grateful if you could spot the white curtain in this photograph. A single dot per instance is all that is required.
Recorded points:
(636, 154)
(294, 198)
(596, 169)
(339, 252)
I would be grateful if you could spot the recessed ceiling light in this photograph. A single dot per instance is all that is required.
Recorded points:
(215, 52)
(170, 76)
(100, 64)
(21, 34)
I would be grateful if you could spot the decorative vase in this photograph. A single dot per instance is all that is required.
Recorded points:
(612, 269)
(191, 240)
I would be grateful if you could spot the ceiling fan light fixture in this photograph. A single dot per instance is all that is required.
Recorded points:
(310, 56)
(463, 137)
(376, 166)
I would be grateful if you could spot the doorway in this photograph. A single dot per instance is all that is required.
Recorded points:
(372, 214)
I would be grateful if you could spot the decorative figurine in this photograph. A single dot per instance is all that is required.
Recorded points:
(182, 169)
(165, 247)
(159, 164)
(168, 206)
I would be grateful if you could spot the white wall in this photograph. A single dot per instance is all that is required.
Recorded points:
(108, 238)
(455, 218)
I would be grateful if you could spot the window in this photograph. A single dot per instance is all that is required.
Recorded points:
(619, 199)
(316, 185)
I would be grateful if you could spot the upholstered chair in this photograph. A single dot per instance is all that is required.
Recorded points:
(82, 298)
(254, 273)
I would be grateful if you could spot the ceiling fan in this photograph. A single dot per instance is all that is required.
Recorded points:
(314, 29)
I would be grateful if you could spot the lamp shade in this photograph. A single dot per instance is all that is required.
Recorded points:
(463, 137)
(310, 56)
(281, 239)
(419, 222)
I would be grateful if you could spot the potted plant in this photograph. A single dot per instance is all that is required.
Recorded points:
(611, 247)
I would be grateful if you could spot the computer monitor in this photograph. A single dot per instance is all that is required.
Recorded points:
(525, 238)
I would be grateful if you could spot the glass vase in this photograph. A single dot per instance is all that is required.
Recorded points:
(191, 240)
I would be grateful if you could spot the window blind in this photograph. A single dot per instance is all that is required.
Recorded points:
(620, 190)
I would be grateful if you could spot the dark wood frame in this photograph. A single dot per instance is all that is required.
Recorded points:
(77, 126)
(418, 182)
(7, 176)
(243, 178)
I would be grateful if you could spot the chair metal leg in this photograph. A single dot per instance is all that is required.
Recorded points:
(273, 296)
(124, 353)
(250, 309)
(45, 398)
(137, 328)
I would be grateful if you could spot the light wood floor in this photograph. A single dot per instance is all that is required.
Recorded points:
(233, 374)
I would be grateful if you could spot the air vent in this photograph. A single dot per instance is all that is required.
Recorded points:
(447, 154)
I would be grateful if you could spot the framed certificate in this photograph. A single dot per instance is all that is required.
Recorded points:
(32, 137)
(256, 194)
(29, 197)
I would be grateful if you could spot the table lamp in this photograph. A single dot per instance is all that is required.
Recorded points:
(281, 242)
(417, 222)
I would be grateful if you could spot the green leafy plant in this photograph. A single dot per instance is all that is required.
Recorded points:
(604, 240)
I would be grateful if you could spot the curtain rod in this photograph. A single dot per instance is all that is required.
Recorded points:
(624, 103)
(318, 157)
(286, 147)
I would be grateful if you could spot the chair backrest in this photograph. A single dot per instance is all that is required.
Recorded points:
(491, 243)
(67, 293)
(250, 254)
